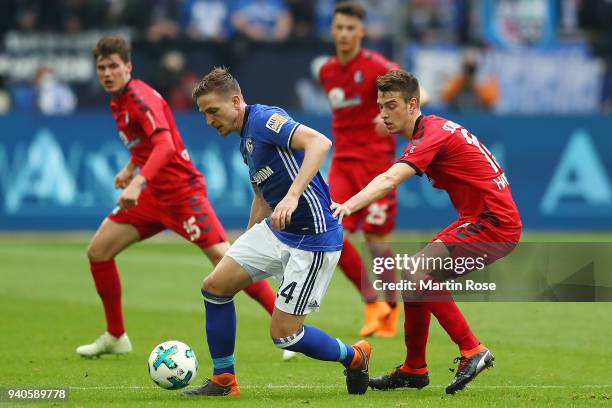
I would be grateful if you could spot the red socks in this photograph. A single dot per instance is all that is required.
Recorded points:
(416, 332)
(262, 292)
(108, 285)
(351, 264)
(469, 353)
(451, 319)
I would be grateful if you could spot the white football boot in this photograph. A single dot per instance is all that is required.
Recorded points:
(106, 344)
(288, 355)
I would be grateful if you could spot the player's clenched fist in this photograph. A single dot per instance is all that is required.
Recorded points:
(124, 177)
(281, 217)
(129, 197)
(340, 211)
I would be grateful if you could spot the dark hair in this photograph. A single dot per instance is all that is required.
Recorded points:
(112, 45)
(399, 81)
(218, 80)
(350, 8)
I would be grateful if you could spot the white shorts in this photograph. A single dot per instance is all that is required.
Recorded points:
(304, 275)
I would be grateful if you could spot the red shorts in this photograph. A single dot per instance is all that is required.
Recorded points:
(478, 237)
(347, 178)
(191, 217)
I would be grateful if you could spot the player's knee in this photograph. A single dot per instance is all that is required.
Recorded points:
(97, 253)
(217, 287)
(378, 246)
(209, 285)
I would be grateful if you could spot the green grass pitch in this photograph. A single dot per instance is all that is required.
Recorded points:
(547, 354)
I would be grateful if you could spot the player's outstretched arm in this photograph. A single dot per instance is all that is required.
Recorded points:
(259, 208)
(315, 147)
(379, 187)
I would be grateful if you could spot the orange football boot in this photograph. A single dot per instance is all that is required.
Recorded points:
(357, 374)
(373, 312)
(222, 385)
(388, 324)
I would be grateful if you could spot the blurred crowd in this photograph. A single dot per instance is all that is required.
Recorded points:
(214, 20)
(273, 20)
(221, 22)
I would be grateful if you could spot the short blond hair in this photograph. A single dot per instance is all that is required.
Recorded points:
(218, 80)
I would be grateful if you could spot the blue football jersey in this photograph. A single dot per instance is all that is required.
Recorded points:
(265, 144)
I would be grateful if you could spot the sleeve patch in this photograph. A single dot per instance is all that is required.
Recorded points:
(276, 122)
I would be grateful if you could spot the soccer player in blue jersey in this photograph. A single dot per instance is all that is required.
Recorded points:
(291, 236)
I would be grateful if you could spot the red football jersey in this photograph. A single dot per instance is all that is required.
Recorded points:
(141, 112)
(352, 93)
(456, 161)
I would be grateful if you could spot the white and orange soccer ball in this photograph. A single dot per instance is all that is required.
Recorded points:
(172, 365)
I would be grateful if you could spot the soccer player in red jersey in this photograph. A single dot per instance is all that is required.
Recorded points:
(489, 223)
(168, 192)
(362, 149)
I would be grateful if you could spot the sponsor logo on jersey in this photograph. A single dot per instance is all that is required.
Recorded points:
(262, 175)
(276, 122)
(337, 99)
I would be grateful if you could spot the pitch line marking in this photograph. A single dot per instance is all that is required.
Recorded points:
(306, 387)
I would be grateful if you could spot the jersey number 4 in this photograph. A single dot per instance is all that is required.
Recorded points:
(287, 291)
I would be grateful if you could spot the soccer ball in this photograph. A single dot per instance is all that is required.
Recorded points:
(172, 365)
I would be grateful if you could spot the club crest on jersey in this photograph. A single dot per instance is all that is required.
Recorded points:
(276, 122)
(249, 145)
(358, 77)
